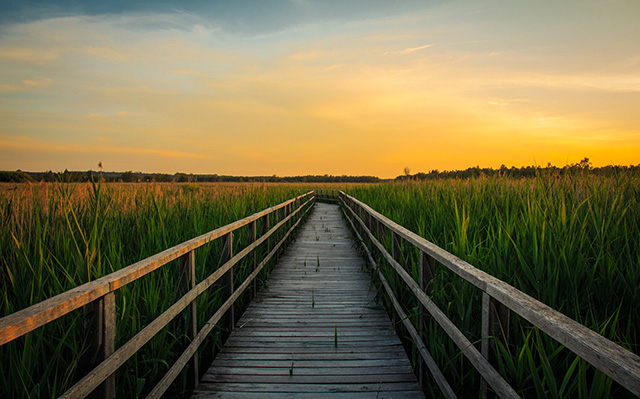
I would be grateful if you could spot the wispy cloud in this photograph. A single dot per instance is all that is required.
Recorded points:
(163, 92)
(106, 53)
(408, 50)
(27, 54)
(6, 88)
(37, 82)
(31, 145)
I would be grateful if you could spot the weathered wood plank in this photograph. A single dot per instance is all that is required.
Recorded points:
(162, 386)
(285, 378)
(493, 378)
(306, 395)
(317, 332)
(228, 355)
(444, 386)
(306, 387)
(621, 365)
(354, 350)
(28, 319)
(164, 383)
(317, 364)
(107, 367)
(226, 281)
(188, 282)
(313, 372)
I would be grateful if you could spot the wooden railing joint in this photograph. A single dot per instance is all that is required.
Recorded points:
(98, 300)
(618, 363)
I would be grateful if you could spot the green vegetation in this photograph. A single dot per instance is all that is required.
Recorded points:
(54, 237)
(584, 166)
(130, 177)
(570, 240)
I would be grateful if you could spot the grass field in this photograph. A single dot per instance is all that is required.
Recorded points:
(572, 242)
(57, 236)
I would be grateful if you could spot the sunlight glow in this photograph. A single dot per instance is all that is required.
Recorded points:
(428, 87)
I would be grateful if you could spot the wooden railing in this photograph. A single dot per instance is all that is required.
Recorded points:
(498, 298)
(327, 195)
(98, 298)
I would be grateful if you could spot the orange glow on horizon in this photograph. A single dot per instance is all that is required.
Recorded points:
(367, 97)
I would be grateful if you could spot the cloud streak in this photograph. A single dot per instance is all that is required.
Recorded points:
(408, 50)
(38, 145)
(164, 90)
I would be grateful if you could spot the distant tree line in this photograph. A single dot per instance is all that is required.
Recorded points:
(584, 166)
(19, 176)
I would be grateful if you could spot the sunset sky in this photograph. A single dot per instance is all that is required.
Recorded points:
(292, 87)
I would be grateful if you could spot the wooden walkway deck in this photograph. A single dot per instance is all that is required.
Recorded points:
(316, 331)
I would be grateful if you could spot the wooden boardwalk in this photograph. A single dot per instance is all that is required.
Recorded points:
(316, 331)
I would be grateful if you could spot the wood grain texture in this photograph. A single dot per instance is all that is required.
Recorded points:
(316, 331)
(23, 321)
(86, 385)
(427, 361)
(188, 282)
(162, 386)
(620, 364)
(493, 378)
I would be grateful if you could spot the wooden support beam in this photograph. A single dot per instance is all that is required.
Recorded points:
(266, 247)
(426, 358)
(253, 236)
(616, 362)
(277, 234)
(105, 369)
(227, 281)
(495, 326)
(427, 272)
(100, 329)
(173, 372)
(21, 322)
(496, 381)
(396, 253)
(188, 282)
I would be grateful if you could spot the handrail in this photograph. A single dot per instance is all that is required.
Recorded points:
(610, 358)
(422, 349)
(21, 322)
(101, 291)
(328, 195)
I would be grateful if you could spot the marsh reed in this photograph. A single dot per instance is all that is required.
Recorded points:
(569, 241)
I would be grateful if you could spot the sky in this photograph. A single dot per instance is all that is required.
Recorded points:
(296, 87)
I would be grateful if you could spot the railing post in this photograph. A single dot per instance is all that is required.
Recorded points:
(227, 280)
(267, 243)
(253, 236)
(378, 231)
(495, 325)
(370, 223)
(277, 232)
(100, 326)
(287, 212)
(188, 282)
(427, 272)
(396, 253)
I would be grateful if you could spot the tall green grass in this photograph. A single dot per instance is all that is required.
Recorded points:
(54, 237)
(571, 242)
